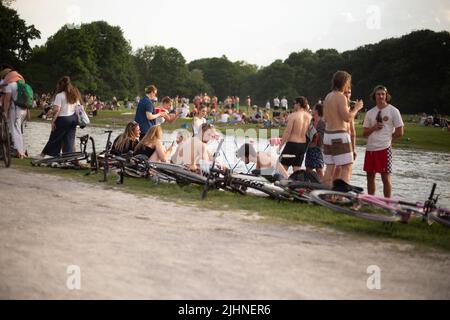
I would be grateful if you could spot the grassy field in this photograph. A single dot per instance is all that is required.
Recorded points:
(416, 137)
(416, 232)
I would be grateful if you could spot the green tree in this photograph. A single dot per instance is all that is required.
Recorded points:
(220, 73)
(15, 36)
(165, 68)
(96, 56)
(197, 83)
(276, 79)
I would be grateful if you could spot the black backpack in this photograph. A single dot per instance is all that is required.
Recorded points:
(303, 175)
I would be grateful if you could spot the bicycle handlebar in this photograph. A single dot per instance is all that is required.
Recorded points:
(432, 192)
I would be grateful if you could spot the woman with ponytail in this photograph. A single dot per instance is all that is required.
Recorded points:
(65, 119)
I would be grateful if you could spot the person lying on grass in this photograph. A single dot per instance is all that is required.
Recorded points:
(266, 163)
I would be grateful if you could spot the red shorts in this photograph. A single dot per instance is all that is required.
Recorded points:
(378, 161)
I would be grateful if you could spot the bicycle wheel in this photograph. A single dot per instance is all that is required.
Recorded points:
(69, 157)
(179, 173)
(300, 190)
(441, 215)
(352, 205)
(243, 183)
(5, 142)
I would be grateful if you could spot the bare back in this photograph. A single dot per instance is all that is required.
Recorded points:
(334, 101)
(298, 123)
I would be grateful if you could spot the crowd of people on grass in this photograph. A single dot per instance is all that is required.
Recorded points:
(323, 137)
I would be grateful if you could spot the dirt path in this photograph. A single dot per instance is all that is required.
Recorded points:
(140, 247)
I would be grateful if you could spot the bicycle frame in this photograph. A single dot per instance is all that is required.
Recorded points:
(5, 142)
(395, 204)
(106, 161)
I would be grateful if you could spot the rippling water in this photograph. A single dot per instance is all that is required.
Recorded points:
(414, 171)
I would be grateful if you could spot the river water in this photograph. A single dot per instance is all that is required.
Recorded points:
(414, 170)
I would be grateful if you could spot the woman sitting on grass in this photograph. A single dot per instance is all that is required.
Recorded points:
(128, 140)
(182, 136)
(151, 145)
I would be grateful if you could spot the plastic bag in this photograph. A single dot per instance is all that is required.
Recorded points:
(83, 119)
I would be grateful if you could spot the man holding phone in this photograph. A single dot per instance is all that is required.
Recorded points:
(382, 124)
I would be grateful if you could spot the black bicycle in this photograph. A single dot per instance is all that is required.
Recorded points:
(5, 140)
(104, 160)
(71, 160)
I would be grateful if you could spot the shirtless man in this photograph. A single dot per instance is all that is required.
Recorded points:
(351, 131)
(194, 151)
(295, 135)
(338, 152)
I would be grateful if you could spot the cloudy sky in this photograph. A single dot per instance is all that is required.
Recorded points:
(255, 31)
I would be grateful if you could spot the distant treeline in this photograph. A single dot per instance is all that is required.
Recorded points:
(415, 68)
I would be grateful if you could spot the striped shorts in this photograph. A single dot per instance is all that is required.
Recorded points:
(337, 148)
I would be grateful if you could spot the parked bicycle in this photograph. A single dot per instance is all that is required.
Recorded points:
(382, 209)
(5, 140)
(71, 160)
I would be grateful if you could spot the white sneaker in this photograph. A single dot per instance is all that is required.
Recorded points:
(40, 157)
(37, 157)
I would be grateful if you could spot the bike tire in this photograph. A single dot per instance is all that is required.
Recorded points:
(5, 142)
(179, 173)
(441, 215)
(352, 205)
(60, 159)
(271, 190)
(300, 190)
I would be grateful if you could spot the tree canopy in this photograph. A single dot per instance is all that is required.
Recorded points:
(415, 67)
(15, 36)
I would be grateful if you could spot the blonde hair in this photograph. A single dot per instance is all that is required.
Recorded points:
(184, 134)
(151, 137)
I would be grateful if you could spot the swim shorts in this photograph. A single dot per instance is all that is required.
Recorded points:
(378, 161)
(294, 154)
(337, 148)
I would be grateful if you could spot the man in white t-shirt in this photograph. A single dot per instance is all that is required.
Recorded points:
(284, 103)
(276, 103)
(184, 108)
(382, 124)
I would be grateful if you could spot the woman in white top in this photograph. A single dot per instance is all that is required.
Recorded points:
(65, 119)
(199, 119)
(225, 116)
